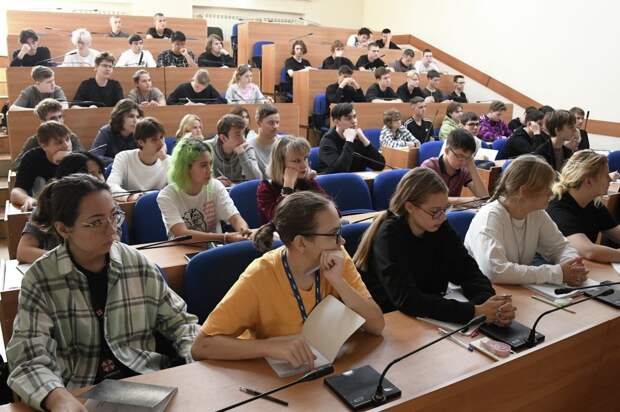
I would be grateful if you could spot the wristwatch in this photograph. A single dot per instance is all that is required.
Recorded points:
(287, 191)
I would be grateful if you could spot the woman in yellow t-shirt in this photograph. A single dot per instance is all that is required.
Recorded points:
(272, 298)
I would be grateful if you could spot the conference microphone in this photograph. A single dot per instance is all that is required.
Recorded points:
(531, 339)
(370, 159)
(585, 125)
(85, 102)
(165, 243)
(561, 291)
(125, 193)
(53, 59)
(310, 376)
(302, 37)
(310, 22)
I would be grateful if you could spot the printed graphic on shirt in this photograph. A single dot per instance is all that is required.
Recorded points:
(203, 221)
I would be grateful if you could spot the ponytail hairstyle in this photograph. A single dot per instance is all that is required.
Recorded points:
(414, 187)
(528, 171)
(184, 154)
(295, 215)
(582, 165)
(241, 70)
(59, 201)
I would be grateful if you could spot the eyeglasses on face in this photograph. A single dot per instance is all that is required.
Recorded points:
(116, 219)
(435, 213)
(337, 235)
(461, 157)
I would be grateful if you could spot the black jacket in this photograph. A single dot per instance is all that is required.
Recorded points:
(336, 155)
(347, 94)
(208, 59)
(546, 150)
(519, 143)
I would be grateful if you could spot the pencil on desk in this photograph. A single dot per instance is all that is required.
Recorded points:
(455, 340)
(552, 303)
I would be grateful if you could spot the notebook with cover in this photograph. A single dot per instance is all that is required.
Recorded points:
(329, 315)
(112, 395)
(547, 289)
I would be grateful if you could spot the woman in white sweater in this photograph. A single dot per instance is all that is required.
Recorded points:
(83, 55)
(507, 233)
(144, 168)
(242, 89)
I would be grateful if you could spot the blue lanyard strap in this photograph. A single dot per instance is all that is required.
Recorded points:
(295, 290)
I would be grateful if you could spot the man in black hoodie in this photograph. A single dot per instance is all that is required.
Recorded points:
(346, 89)
(522, 140)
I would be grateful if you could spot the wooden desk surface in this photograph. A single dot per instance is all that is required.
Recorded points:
(275, 54)
(575, 368)
(307, 85)
(86, 122)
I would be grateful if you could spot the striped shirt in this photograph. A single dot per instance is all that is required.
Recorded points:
(401, 138)
(56, 339)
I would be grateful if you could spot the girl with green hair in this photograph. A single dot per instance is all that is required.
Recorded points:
(194, 203)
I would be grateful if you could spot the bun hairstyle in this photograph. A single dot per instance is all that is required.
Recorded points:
(294, 216)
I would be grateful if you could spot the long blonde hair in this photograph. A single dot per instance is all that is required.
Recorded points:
(186, 125)
(414, 187)
(241, 70)
(582, 165)
(529, 171)
(282, 146)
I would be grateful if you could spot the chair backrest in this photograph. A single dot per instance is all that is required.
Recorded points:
(210, 274)
(614, 161)
(507, 163)
(428, 150)
(352, 235)
(349, 192)
(498, 145)
(170, 143)
(148, 224)
(384, 186)
(257, 49)
(235, 31)
(373, 136)
(244, 196)
(215, 30)
(460, 221)
(313, 158)
(319, 105)
(107, 170)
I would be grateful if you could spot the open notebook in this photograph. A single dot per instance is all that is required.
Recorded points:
(326, 329)
(116, 396)
(547, 289)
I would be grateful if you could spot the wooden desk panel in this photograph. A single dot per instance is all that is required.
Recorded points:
(219, 77)
(98, 24)
(307, 85)
(69, 78)
(86, 122)
(274, 56)
(401, 157)
(562, 373)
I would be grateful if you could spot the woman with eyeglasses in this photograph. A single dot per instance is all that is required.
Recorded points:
(242, 89)
(92, 308)
(272, 298)
(410, 253)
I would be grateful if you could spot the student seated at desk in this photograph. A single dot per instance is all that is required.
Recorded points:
(492, 127)
(346, 89)
(31, 54)
(144, 168)
(522, 139)
(92, 308)
(405, 63)
(46, 110)
(44, 87)
(245, 115)
(159, 29)
(426, 63)
(233, 159)
(544, 135)
(101, 90)
(345, 148)
(115, 28)
(507, 233)
(197, 91)
(39, 164)
(83, 55)
(117, 135)
(458, 95)
(386, 40)
(194, 203)
(136, 56)
(337, 59)
(420, 128)
(260, 305)
(411, 87)
(289, 172)
(296, 62)
(393, 133)
(215, 55)
(371, 60)
(190, 125)
(584, 142)
(35, 241)
(410, 253)
(471, 122)
(361, 39)
(380, 91)
(242, 90)
(456, 165)
(178, 55)
(561, 128)
(431, 91)
(268, 120)
(452, 120)
(144, 93)
(577, 208)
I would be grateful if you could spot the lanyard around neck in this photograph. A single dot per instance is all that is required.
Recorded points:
(295, 290)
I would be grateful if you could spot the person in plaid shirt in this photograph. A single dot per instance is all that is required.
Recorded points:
(92, 308)
(178, 55)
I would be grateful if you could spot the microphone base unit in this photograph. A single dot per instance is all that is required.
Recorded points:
(612, 299)
(516, 335)
(357, 388)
